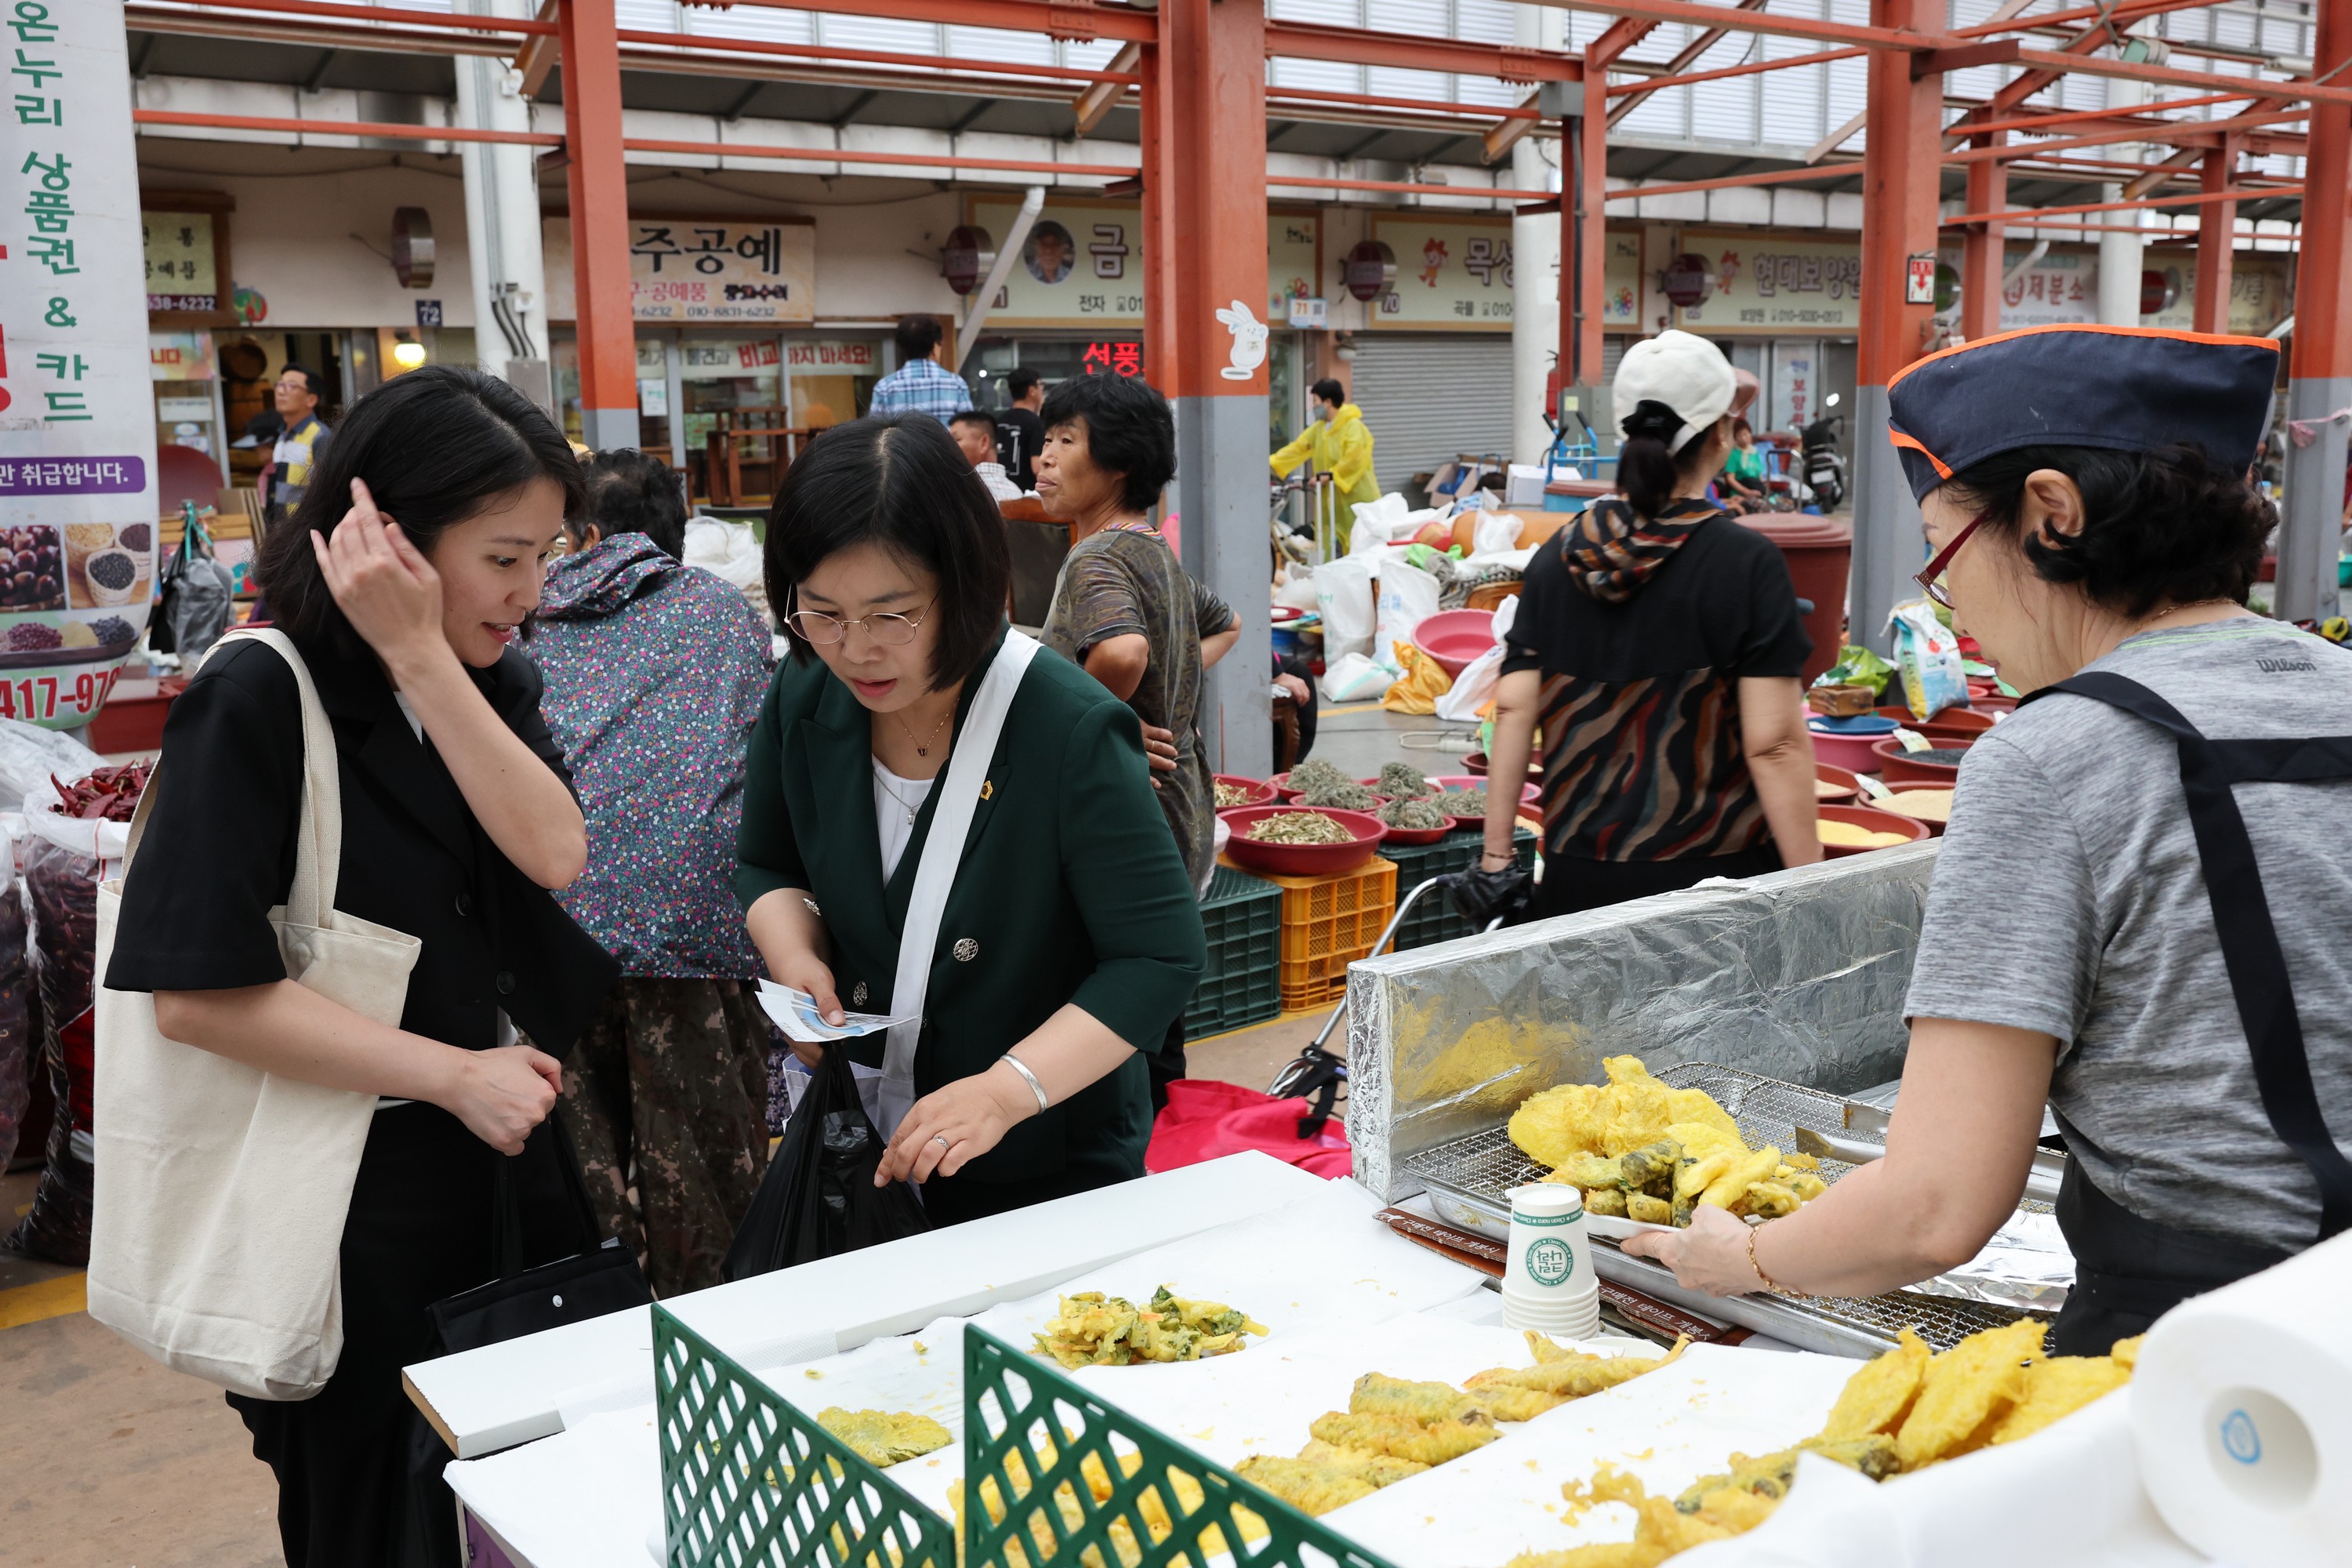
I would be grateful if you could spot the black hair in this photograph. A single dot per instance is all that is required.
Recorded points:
(630, 491)
(918, 336)
(1647, 470)
(310, 377)
(1129, 431)
(1330, 391)
(901, 482)
(2167, 526)
(435, 445)
(1019, 380)
(974, 416)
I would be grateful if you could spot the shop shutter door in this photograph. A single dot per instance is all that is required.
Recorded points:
(1429, 398)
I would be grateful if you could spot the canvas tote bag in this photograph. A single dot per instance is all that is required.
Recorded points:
(222, 1190)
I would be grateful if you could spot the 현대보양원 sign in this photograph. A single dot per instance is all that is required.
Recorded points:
(77, 497)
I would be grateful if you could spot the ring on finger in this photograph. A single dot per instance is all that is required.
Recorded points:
(940, 1139)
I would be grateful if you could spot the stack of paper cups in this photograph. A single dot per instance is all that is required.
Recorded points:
(1547, 1281)
(2241, 1411)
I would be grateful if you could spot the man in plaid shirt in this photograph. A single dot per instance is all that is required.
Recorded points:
(920, 385)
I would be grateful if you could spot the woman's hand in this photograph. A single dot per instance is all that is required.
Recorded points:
(382, 584)
(1159, 750)
(1711, 1256)
(502, 1094)
(955, 1124)
(810, 973)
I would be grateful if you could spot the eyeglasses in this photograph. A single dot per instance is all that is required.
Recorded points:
(890, 629)
(1931, 580)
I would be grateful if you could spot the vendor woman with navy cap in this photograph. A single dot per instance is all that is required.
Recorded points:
(2142, 911)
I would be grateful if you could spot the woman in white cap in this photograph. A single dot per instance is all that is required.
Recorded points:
(1657, 648)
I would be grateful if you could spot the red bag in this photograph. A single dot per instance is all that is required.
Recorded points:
(1206, 1120)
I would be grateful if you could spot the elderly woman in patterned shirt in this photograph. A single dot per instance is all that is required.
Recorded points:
(654, 672)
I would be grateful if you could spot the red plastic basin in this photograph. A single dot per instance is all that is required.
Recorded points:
(1899, 767)
(1455, 637)
(1872, 821)
(1302, 860)
(1964, 723)
(1261, 792)
(1429, 834)
(1842, 777)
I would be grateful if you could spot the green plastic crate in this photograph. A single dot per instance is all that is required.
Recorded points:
(1433, 918)
(748, 1481)
(1242, 918)
(1162, 1506)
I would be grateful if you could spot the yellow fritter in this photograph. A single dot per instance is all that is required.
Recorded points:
(1604, 1200)
(1737, 1511)
(1306, 1486)
(1967, 1387)
(1609, 1554)
(1090, 1329)
(2058, 1387)
(1695, 1177)
(1540, 1346)
(1695, 1105)
(1880, 1395)
(1575, 1377)
(1381, 1469)
(1770, 1475)
(1732, 1186)
(1375, 1395)
(1648, 1210)
(2126, 1352)
(1518, 1403)
(1590, 1171)
(883, 1437)
(1556, 1125)
(1148, 1503)
(1768, 1200)
(1431, 1443)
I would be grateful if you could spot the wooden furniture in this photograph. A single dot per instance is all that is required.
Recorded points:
(723, 459)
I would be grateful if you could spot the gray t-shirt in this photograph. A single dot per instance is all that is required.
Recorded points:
(2068, 900)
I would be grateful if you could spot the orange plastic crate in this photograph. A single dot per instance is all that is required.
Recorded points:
(1328, 922)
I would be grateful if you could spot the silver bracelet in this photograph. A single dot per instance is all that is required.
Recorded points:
(1022, 1069)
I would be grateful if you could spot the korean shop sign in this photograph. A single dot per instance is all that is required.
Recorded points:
(750, 271)
(77, 412)
(1763, 283)
(1452, 272)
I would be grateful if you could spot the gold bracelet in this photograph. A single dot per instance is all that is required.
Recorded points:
(1777, 1289)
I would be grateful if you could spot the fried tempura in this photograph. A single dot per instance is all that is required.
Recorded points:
(1540, 1346)
(1590, 1171)
(1966, 1392)
(1732, 1186)
(1381, 1469)
(1607, 1201)
(1150, 1503)
(1610, 1555)
(1575, 1377)
(1769, 1475)
(1375, 1395)
(1697, 1175)
(1880, 1395)
(883, 1437)
(1768, 1200)
(1558, 1125)
(1650, 1168)
(2058, 1387)
(1518, 1403)
(1090, 1329)
(1311, 1488)
(1431, 1443)
(1647, 1210)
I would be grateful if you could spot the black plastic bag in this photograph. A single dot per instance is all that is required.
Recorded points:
(818, 1197)
(194, 601)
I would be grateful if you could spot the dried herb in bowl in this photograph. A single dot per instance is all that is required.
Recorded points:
(1401, 781)
(1298, 827)
(1416, 815)
(1345, 795)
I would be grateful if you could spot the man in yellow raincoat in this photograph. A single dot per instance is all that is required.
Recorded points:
(1339, 446)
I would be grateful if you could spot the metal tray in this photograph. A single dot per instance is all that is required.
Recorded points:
(1469, 1177)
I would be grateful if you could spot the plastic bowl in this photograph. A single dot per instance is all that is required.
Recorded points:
(1260, 792)
(1899, 767)
(1302, 860)
(1405, 836)
(1374, 785)
(1894, 802)
(1864, 817)
(1850, 752)
(1964, 723)
(1475, 763)
(1456, 638)
(1842, 778)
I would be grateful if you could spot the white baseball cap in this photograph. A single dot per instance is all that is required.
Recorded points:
(1681, 370)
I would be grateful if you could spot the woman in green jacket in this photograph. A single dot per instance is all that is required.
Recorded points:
(1069, 939)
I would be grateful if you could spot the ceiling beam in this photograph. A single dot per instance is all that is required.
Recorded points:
(536, 58)
(1690, 55)
(1094, 105)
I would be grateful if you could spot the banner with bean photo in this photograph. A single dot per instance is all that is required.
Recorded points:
(77, 510)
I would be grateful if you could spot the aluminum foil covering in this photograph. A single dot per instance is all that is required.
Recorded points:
(2026, 1264)
(1798, 976)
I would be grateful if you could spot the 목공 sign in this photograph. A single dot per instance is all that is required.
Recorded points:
(78, 506)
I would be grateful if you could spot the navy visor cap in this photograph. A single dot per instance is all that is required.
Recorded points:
(2132, 389)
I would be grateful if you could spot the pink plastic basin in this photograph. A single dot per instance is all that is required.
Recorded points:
(1455, 637)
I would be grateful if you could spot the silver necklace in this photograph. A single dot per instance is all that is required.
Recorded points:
(884, 778)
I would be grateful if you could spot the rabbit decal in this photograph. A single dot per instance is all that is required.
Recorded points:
(1249, 342)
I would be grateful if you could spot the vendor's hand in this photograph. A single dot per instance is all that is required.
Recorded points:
(810, 973)
(1710, 1255)
(1295, 686)
(502, 1094)
(1478, 895)
(1159, 750)
(382, 584)
(954, 1124)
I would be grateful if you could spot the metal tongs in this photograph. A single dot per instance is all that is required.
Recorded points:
(2040, 1182)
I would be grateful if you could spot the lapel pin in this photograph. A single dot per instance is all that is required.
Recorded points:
(987, 789)
(857, 994)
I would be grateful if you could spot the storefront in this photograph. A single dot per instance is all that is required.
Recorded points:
(1432, 371)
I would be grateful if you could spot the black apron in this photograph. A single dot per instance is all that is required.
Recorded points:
(2130, 1270)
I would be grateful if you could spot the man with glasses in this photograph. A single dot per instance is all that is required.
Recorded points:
(301, 444)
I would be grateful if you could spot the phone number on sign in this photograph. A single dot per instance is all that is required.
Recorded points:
(40, 699)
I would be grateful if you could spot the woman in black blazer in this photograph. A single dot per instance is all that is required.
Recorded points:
(416, 554)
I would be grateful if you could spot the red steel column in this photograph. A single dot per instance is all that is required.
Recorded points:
(1158, 288)
(1580, 335)
(597, 175)
(1981, 258)
(1900, 170)
(2217, 228)
(1210, 162)
(2319, 377)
